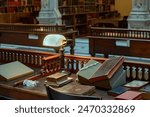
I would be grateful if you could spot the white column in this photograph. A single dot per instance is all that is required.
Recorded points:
(49, 13)
(139, 17)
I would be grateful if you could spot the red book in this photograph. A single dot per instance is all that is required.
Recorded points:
(129, 95)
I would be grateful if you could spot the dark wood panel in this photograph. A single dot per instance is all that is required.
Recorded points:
(108, 46)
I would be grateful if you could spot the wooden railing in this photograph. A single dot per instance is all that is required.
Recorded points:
(50, 63)
(34, 34)
(137, 70)
(32, 28)
(134, 70)
(118, 41)
(32, 58)
(119, 33)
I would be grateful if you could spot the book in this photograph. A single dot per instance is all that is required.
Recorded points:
(106, 75)
(57, 77)
(59, 84)
(78, 89)
(14, 70)
(136, 84)
(117, 91)
(100, 71)
(146, 92)
(129, 95)
(146, 88)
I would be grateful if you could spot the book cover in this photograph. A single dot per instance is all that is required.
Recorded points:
(146, 88)
(146, 92)
(129, 95)
(94, 71)
(60, 83)
(136, 84)
(117, 91)
(76, 88)
(57, 77)
(14, 70)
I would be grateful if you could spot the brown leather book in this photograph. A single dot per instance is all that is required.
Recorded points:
(107, 75)
(76, 88)
(57, 77)
(100, 72)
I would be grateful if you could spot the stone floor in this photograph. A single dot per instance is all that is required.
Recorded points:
(81, 48)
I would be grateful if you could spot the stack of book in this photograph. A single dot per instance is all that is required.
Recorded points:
(58, 79)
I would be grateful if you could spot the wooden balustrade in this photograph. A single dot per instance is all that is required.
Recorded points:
(119, 33)
(32, 28)
(137, 70)
(31, 58)
(134, 70)
(50, 63)
(118, 41)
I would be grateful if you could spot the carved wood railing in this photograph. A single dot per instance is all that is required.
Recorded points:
(119, 33)
(50, 63)
(32, 58)
(74, 63)
(32, 28)
(137, 70)
(134, 70)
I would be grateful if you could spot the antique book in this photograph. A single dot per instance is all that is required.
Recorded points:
(13, 70)
(146, 92)
(136, 84)
(57, 77)
(146, 88)
(117, 91)
(60, 83)
(76, 88)
(89, 69)
(108, 74)
(129, 95)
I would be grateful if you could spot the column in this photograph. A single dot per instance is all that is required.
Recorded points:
(49, 13)
(139, 17)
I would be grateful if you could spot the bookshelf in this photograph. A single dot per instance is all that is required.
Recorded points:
(18, 8)
(78, 14)
(13, 6)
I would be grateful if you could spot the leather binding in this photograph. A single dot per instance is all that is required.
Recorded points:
(79, 89)
(117, 91)
(107, 75)
(136, 84)
(129, 95)
(146, 92)
(14, 70)
(57, 77)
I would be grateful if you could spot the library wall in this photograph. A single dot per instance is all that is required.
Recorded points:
(123, 6)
